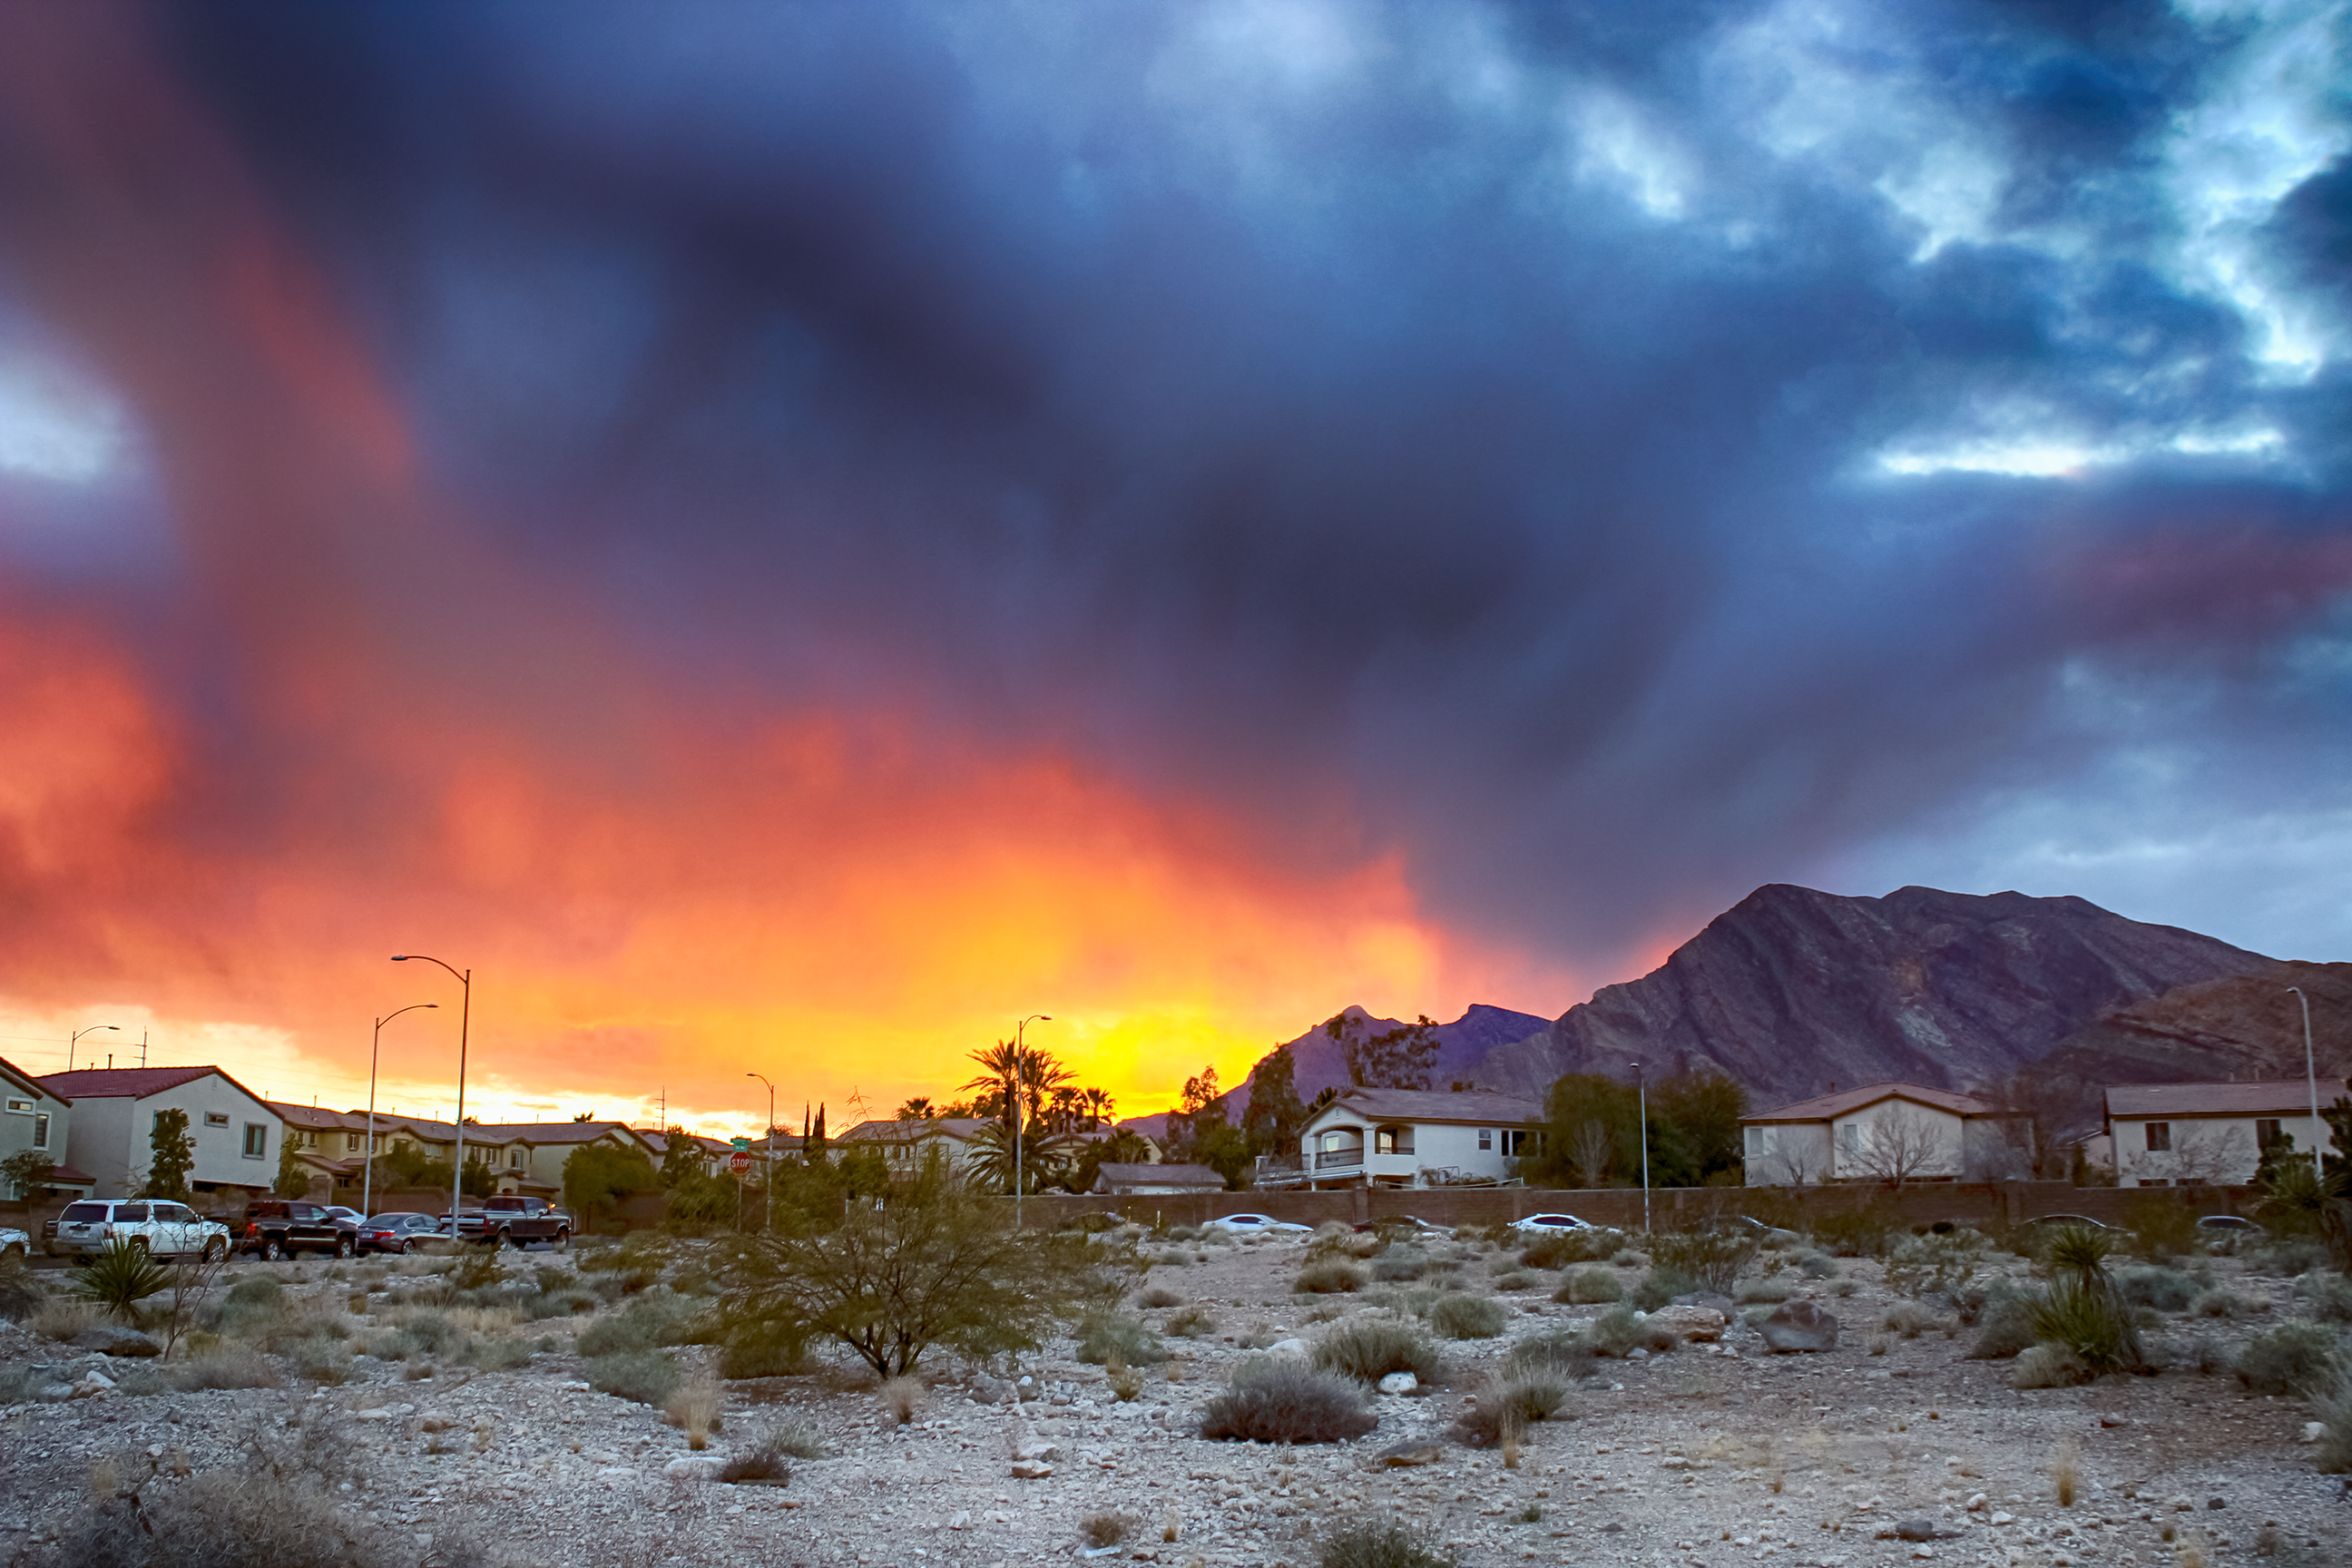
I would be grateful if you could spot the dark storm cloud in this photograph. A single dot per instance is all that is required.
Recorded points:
(1593, 444)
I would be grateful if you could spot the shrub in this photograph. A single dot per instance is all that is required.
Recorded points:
(761, 1462)
(2221, 1301)
(2086, 1318)
(1557, 1249)
(1106, 1335)
(1370, 1347)
(2298, 1357)
(20, 1293)
(495, 1355)
(1126, 1384)
(1271, 1401)
(1590, 1287)
(62, 1317)
(252, 1517)
(321, 1359)
(1621, 1330)
(119, 1278)
(2164, 1290)
(1102, 1530)
(1329, 1278)
(1507, 1403)
(1190, 1323)
(649, 1377)
(432, 1332)
(903, 1397)
(1714, 1259)
(1381, 1543)
(1397, 1265)
(2008, 1324)
(1467, 1317)
(226, 1366)
(2049, 1366)
(650, 1323)
(1934, 1265)
(1816, 1265)
(2326, 1296)
(2161, 1228)
(1762, 1292)
(1564, 1356)
(1659, 1286)
(2285, 1256)
(754, 1346)
(1158, 1296)
(1516, 1280)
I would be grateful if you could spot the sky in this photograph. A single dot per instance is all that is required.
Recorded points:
(785, 538)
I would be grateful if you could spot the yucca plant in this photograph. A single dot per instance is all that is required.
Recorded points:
(2082, 1310)
(120, 1277)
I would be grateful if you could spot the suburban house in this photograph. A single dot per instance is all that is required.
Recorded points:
(1892, 1132)
(37, 1118)
(1155, 1181)
(113, 1124)
(1417, 1138)
(906, 1144)
(2182, 1134)
(524, 1157)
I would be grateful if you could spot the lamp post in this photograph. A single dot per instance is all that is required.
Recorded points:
(75, 1039)
(2311, 1079)
(465, 1018)
(1019, 1187)
(1641, 1095)
(367, 1176)
(768, 1202)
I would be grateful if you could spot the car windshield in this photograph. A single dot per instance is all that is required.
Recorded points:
(84, 1212)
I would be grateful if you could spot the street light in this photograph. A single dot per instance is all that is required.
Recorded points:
(367, 1177)
(76, 1039)
(1019, 1187)
(1641, 1093)
(768, 1204)
(2311, 1077)
(465, 1017)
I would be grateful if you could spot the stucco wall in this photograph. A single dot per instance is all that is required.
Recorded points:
(111, 1137)
(1885, 1124)
(2216, 1149)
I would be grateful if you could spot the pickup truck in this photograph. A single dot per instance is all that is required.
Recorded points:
(280, 1227)
(514, 1221)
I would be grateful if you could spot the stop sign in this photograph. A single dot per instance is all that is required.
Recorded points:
(739, 1161)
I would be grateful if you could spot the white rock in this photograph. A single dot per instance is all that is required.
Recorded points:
(1288, 1350)
(959, 1520)
(1399, 1383)
(1977, 1503)
(695, 1467)
(2312, 1431)
(1031, 1469)
(92, 1385)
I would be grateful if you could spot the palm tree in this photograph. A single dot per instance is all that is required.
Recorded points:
(1045, 1157)
(1098, 1105)
(1012, 1070)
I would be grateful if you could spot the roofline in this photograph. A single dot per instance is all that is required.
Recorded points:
(200, 1068)
(32, 1083)
(1894, 1091)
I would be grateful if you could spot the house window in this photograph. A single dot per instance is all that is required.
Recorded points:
(1755, 1138)
(1486, 1138)
(21, 1107)
(351, 1141)
(2266, 1131)
(514, 1159)
(256, 1140)
(215, 1117)
(40, 1132)
(1850, 1139)
(2160, 1137)
(1392, 1141)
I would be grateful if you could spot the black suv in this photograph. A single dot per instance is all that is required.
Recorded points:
(280, 1227)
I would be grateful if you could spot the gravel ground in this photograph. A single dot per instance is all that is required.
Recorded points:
(1710, 1456)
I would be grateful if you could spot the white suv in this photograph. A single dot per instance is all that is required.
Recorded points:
(14, 1243)
(162, 1228)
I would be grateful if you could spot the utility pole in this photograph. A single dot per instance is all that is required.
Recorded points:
(1641, 1095)
(1020, 1187)
(768, 1205)
(2311, 1079)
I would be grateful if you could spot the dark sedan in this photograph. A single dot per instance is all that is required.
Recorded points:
(397, 1232)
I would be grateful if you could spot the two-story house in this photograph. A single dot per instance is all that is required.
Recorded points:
(114, 1115)
(1417, 1138)
(1891, 1132)
(36, 1118)
(2182, 1134)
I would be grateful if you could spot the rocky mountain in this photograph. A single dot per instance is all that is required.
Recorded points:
(2240, 1026)
(1792, 991)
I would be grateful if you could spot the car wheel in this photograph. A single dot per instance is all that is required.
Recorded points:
(216, 1249)
(16, 1250)
(342, 1247)
(139, 1245)
(272, 1250)
(401, 1245)
(562, 1241)
(506, 1239)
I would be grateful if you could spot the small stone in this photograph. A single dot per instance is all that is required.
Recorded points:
(1690, 1321)
(1399, 1383)
(1799, 1326)
(1977, 1503)
(1405, 1454)
(2217, 1502)
(2002, 1516)
(1031, 1469)
(92, 1385)
(959, 1520)
(378, 1414)
(695, 1467)
(1920, 1529)
(109, 1340)
(2312, 1431)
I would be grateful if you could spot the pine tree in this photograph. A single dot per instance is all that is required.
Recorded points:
(172, 1157)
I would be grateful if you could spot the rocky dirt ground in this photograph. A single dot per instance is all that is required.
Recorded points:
(494, 1447)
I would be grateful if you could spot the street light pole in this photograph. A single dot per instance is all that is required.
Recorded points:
(465, 1019)
(367, 1176)
(2311, 1079)
(1641, 1093)
(1020, 1187)
(75, 1039)
(768, 1204)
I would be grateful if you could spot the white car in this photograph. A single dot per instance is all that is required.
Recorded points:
(15, 1244)
(1260, 1225)
(162, 1228)
(1550, 1224)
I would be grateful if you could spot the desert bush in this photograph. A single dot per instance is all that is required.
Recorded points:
(1329, 1278)
(1126, 1384)
(903, 1397)
(2161, 1229)
(797, 1436)
(1621, 1330)
(1381, 1543)
(648, 1376)
(2164, 1290)
(2221, 1301)
(1370, 1347)
(2006, 1318)
(1659, 1286)
(1103, 1529)
(1715, 1258)
(750, 1345)
(224, 1366)
(119, 1278)
(652, 1321)
(2326, 1296)
(1934, 1265)
(1507, 1403)
(20, 1293)
(1158, 1296)
(2296, 1357)
(763, 1461)
(321, 1359)
(432, 1332)
(1762, 1292)
(1565, 1356)
(1590, 1287)
(1466, 1317)
(62, 1317)
(1557, 1249)
(2049, 1365)
(559, 1304)
(249, 1517)
(1105, 1335)
(2285, 1256)
(2088, 1320)
(1271, 1401)
(1859, 1233)
(1190, 1323)
(1399, 1265)
(1516, 1280)
(495, 1355)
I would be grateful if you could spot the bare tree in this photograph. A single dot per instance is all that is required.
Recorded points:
(1900, 1145)
(2199, 1155)
(1589, 1150)
(1793, 1162)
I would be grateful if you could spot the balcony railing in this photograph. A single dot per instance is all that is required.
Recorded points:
(1334, 1159)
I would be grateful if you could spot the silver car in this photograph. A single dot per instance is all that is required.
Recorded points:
(14, 1243)
(157, 1226)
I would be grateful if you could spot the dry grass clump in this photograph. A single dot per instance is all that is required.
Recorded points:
(251, 1517)
(1762, 1292)
(1381, 1543)
(1104, 1529)
(1158, 1296)
(1125, 1382)
(61, 1317)
(1400, 1266)
(1329, 1278)
(696, 1410)
(1516, 1280)
(649, 1377)
(1506, 1405)
(20, 1293)
(2297, 1357)
(1369, 1349)
(1590, 1286)
(1105, 1336)
(902, 1397)
(224, 1366)
(1466, 1317)
(1190, 1323)
(798, 1435)
(1620, 1332)
(1271, 1401)
(761, 1462)
(2065, 1473)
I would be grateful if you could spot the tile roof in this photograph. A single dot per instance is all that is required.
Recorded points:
(2260, 1098)
(1829, 1107)
(135, 1083)
(895, 1132)
(1119, 1175)
(1433, 1105)
(10, 1070)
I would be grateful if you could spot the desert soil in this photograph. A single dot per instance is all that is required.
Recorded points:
(1709, 1455)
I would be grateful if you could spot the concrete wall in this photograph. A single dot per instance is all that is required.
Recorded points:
(1887, 1126)
(111, 1138)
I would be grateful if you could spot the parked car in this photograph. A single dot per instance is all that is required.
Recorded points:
(1549, 1224)
(2216, 1226)
(396, 1232)
(162, 1228)
(15, 1244)
(2053, 1221)
(512, 1219)
(1412, 1225)
(1260, 1225)
(280, 1227)
(341, 1212)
